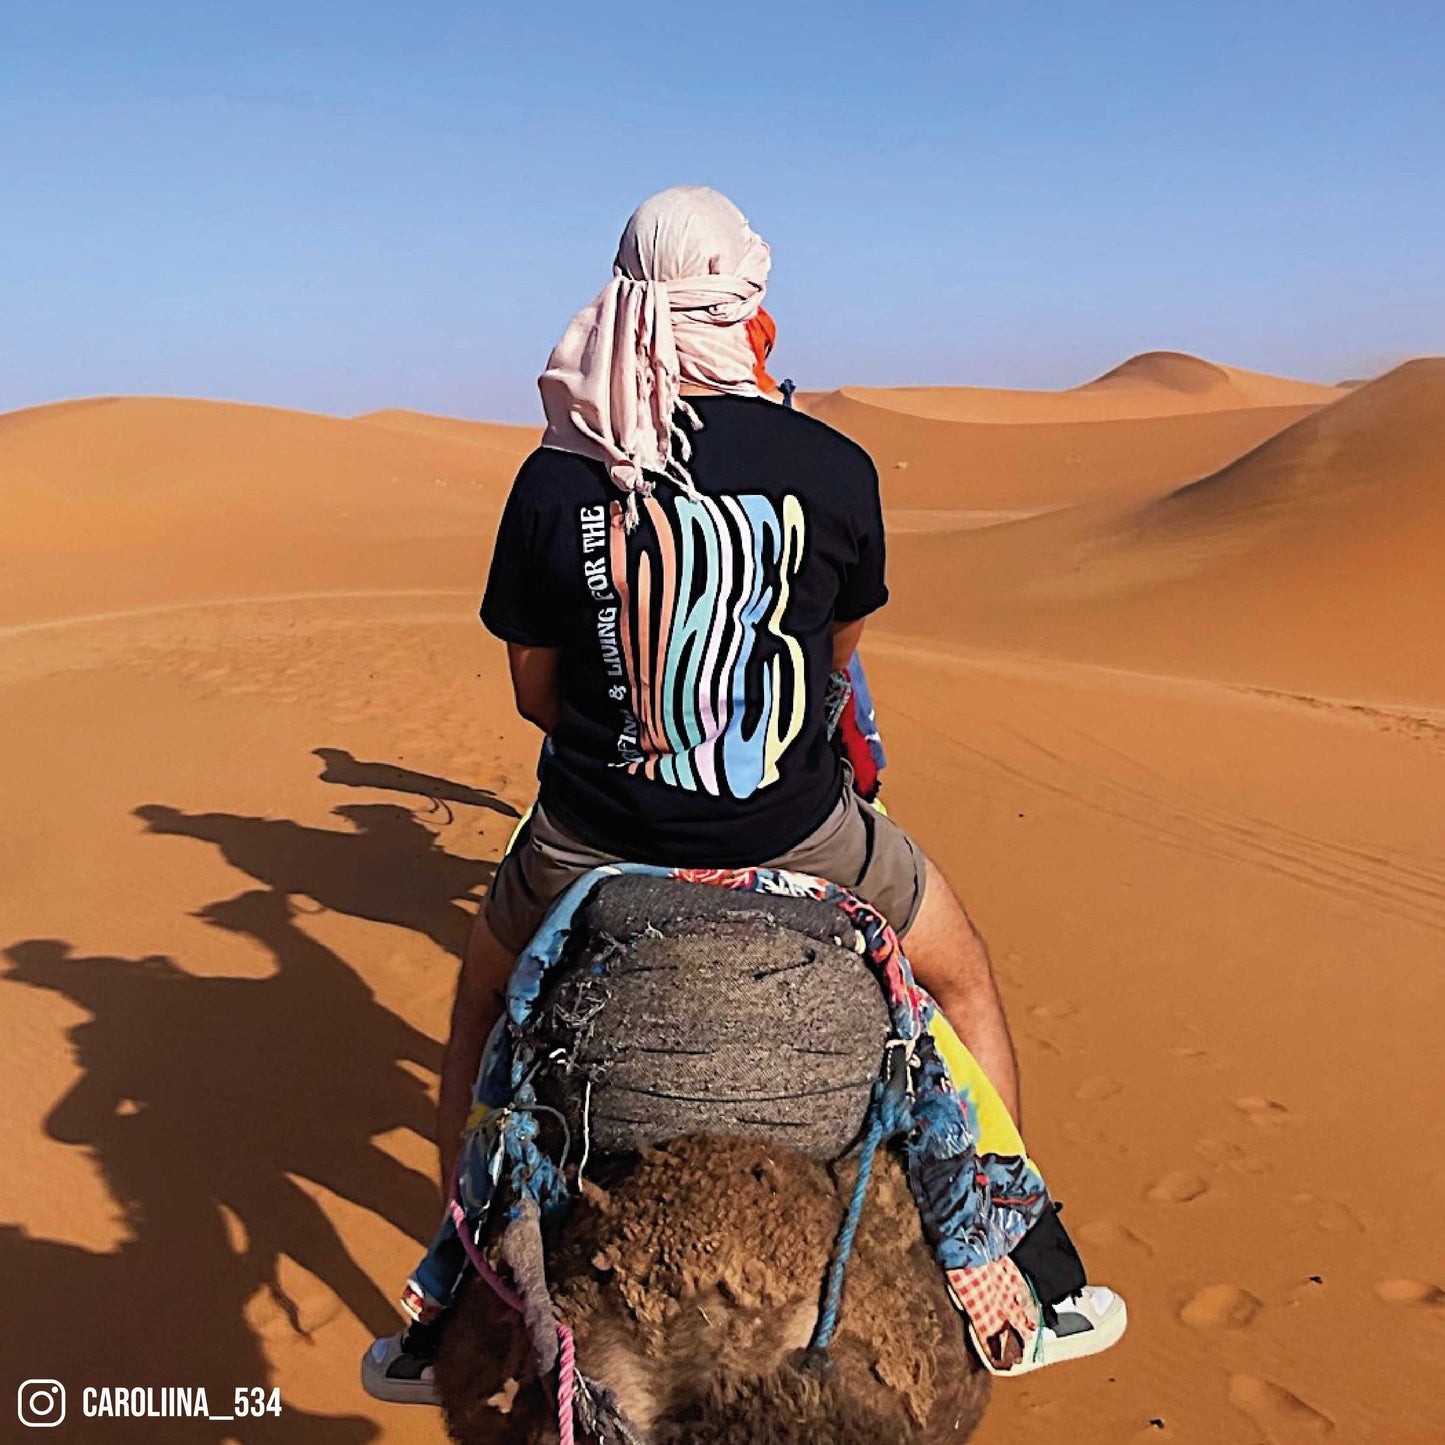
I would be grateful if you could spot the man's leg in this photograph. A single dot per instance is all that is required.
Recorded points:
(950, 959)
(867, 851)
(541, 862)
(481, 992)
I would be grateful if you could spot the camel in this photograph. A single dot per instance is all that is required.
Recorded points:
(691, 1263)
(691, 1279)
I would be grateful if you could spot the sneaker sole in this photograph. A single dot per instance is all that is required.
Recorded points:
(1109, 1332)
(396, 1392)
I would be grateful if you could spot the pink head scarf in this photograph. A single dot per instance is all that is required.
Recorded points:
(689, 274)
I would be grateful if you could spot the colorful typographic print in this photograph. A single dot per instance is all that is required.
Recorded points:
(715, 687)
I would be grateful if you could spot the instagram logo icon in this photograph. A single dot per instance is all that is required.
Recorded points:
(41, 1403)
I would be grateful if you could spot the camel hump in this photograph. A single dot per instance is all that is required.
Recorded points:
(691, 1009)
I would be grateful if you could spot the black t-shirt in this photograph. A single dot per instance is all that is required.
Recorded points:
(697, 647)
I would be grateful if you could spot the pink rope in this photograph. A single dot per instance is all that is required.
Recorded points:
(566, 1381)
(567, 1346)
(500, 1287)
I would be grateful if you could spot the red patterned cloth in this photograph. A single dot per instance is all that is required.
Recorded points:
(994, 1297)
(852, 743)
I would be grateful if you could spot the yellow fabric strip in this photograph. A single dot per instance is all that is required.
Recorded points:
(521, 823)
(997, 1132)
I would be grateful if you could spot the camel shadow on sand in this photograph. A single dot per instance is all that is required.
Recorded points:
(214, 1105)
(388, 868)
(338, 766)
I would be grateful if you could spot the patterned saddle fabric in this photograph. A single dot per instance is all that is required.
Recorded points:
(977, 1191)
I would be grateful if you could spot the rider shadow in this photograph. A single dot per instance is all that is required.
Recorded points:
(390, 868)
(151, 1311)
(216, 1106)
(205, 1101)
(340, 767)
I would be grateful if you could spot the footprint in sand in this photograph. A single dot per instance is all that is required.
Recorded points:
(1059, 1008)
(1220, 1307)
(1248, 1164)
(1111, 1235)
(1265, 1113)
(1094, 1140)
(1280, 1413)
(1411, 1292)
(1199, 1058)
(1097, 1088)
(1330, 1215)
(1225, 1152)
(1179, 1187)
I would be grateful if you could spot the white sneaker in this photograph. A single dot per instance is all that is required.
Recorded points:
(389, 1372)
(1084, 1324)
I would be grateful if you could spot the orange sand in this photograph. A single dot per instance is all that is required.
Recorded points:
(1181, 752)
(1152, 423)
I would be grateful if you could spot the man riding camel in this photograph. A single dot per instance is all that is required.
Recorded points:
(680, 569)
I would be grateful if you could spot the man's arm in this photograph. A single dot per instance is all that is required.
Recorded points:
(534, 683)
(846, 636)
(487, 966)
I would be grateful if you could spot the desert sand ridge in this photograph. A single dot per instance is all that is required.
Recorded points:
(1380, 450)
(1175, 371)
(1186, 379)
(1156, 421)
(1154, 383)
(931, 463)
(91, 490)
(11, 421)
(496, 435)
(1310, 561)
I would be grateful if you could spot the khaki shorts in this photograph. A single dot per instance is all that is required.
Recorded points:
(856, 846)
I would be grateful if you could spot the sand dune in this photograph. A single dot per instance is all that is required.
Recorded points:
(1176, 379)
(1155, 383)
(234, 498)
(1375, 456)
(1149, 425)
(1178, 741)
(513, 440)
(1290, 567)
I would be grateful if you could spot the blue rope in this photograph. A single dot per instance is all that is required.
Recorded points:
(843, 1248)
(534, 1174)
(889, 1114)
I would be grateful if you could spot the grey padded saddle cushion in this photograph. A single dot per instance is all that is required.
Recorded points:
(696, 1009)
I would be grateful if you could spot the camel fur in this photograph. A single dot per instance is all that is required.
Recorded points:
(692, 1276)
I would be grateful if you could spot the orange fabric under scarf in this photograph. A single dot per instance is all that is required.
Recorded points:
(762, 333)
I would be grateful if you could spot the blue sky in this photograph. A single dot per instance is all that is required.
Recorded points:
(345, 206)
